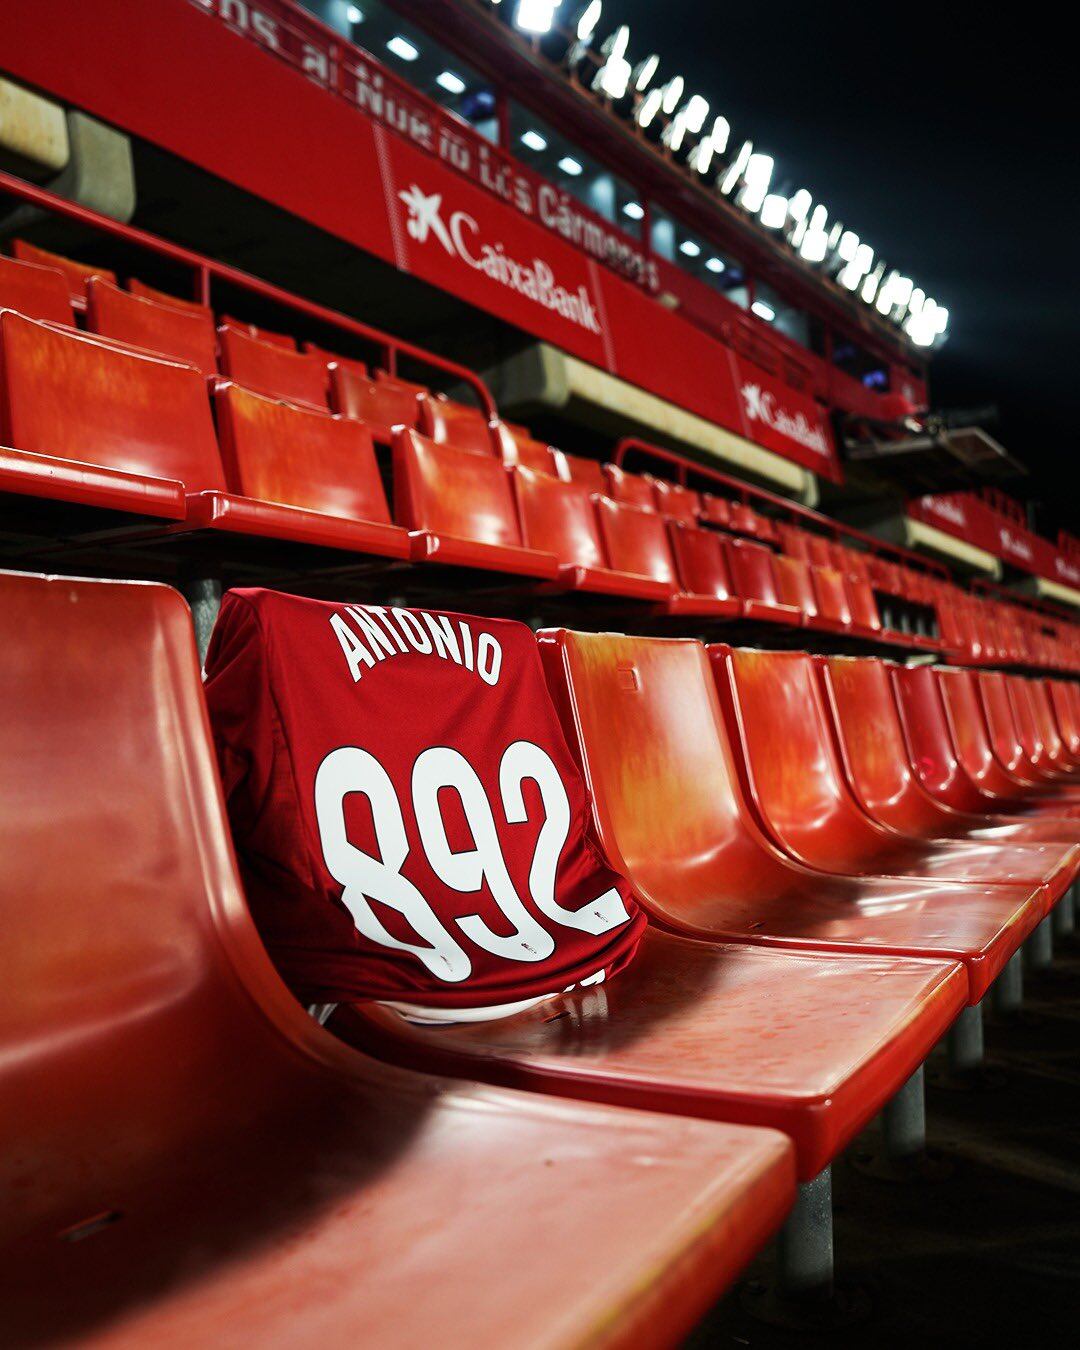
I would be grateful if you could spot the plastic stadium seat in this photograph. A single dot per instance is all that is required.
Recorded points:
(636, 541)
(798, 788)
(145, 292)
(794, 541)
(184, 335)
(716, 510)
(878, 767)
(1032, 705)
(831, 596)
(795, 586)
(35, 291)
(676, 502)
(459, 508)
(517, 447)
(379, 405)
(1013, 746)
(743, 519)
(75, 273)
(297, 474)
(587, 471)
(358, 368)
(283, 340)
(976, 747)
(932, 751)
(703, 575)
(669, 804)
(1066, 713)
(407, 386)
(560, 518)
(93, 422)
(752, 574)
(194, 1160)
(300, 377)
(449, 423)
(863, 607)
(629, 489)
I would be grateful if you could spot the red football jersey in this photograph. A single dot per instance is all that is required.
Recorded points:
(409, 821)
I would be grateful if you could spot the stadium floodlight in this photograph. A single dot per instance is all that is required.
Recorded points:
(354, 15)
(757, 176)
(536, 16)
(590, 17)
(402, 48)
(902, 290)
(836, 233)
(800, 204)
(695, 113)
(453, 84)
(634, 210)
(644, 71)
(534, 140)
(721, 134)
(735, 171)
(941, 317)
(674, 133)
(763, 311)
(864, 258)
(872, 282)
(701, 156)
(917, 301)
(716, 265)
(818, 218)
(848, 246)
(570, 166)
(691, 248)
(814, 245)
(850, 276)
(650, 106)
(672, 93)
(886, 298)
(613, 77)
(774, 211)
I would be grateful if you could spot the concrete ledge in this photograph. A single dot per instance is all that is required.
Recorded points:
(918, 535)
(33, 133)
(1042, 588)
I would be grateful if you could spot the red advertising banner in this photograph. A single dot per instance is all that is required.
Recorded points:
(274, 103)
(998, 527)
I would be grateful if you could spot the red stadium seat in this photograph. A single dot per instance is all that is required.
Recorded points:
(703, 575)
(671, 811)
(517, 447)
(795, 586)
(75, 273)
(459, 508)
(878, 768)
(194, 1159)
(676, 502)
(798, 787)
(1066, 713)
(863, 607)
(35, 291)
(448, 423)
(636, 541)
(283, 340)
(145, 292)
(380, 405)
(300, 377)
(752, 574)
(1052, 756)
(185, 335)
(831, 597)
(92, 422)
(743, 519)
(587, 471)
(298, 474)
(560, 518)
(629, 489)
(358, 368)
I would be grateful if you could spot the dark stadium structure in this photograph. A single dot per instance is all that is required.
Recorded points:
(411, 318)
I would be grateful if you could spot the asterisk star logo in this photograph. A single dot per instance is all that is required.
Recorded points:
(424, 218)
(752, 397)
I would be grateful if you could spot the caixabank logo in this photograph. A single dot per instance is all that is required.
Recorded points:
(460, 235)
(761, 405)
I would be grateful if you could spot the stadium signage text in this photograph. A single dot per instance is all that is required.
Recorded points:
(761, 405)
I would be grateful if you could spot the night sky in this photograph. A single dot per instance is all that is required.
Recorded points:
(942, 138)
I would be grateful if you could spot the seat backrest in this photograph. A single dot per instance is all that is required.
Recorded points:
(517, 447)
(145, 292)
(831, 594)
(1029, 726)
(745, 520)
(282, 452)
(97, 401)
(1064, 707)
(794, 541)
(629, 489)
(300, 377)
(859, 694)
(182, 334)
(751, 568)
(716, 510)
(558, 517)
(929, 741)
(1001, 722)
(1046, 723)
(283, 340)
(635, 541)
(35, 291)
(587, 471)
(776, 709)
(861, 603)
(359, 368)
(676, 501)
(970, 730)
(443, 490)
(794, 584)
(380, 405)
(449, 423)
(700, 561)
(820, 550)
(142, 1027)
(76, 274)
(643, 716)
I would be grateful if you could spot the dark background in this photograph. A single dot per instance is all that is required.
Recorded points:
(943, 136)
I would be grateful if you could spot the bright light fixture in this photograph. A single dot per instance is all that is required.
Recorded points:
(695, 113)
(690, 248)
(644, 73)
(864, 257)
(613, 77)
(848, 246)
(634, 210)
(763, 311)
(701, 156)
(590, 17)
(716, 265)
(534, 141)
(674, 132)
(815, 244)
(453, 84)
(650, 106)
(800, 204)
(401, 47)
(774, 211)
(672, 93)
(734, 173)
(721, 133)
(570, 166)
(536, 16)
(354, 15)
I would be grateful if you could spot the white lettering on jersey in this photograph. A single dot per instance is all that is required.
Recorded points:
(376, 633)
